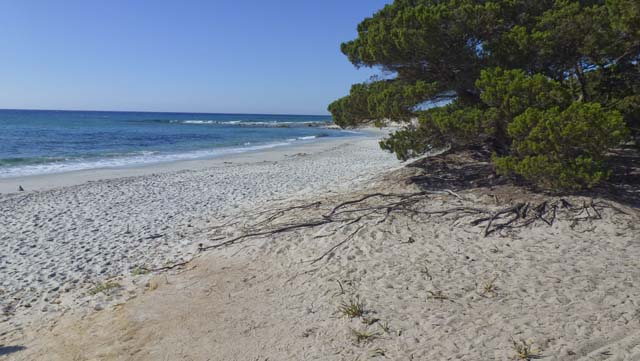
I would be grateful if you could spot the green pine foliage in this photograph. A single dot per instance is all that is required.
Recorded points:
(562, 149)
(380, 100)
(550, 85)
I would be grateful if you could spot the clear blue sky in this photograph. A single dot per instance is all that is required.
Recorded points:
(237, 56)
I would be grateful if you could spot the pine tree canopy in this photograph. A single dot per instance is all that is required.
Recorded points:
(549, 85)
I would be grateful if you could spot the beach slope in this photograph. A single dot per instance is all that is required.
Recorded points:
(383, 269)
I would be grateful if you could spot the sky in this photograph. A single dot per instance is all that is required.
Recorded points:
(232, 56)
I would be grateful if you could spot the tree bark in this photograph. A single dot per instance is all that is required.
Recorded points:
(583, 82)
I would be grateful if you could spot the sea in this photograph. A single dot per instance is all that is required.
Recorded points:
(36, 142)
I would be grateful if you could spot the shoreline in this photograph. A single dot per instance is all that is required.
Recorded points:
(70, 233)
(47, 181)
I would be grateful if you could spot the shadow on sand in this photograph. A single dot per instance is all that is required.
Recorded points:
(6, 350)
(471, 169)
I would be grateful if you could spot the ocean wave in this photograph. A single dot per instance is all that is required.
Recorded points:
(34, 166)
(251, 123)
(9, 162)
(350, 131)
(25, 166)
(229, 122)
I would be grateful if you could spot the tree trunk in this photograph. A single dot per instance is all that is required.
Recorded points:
(583, 82)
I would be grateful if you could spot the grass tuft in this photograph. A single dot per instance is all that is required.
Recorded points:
(369, 320)
(352, 308)
(489, 289)
(384, 325)
(139, 271)
(104, 287)
(363, 336)
(425, 271)
(437, 295)
(524, 350)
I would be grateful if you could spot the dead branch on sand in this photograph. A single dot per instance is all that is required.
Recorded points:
(376, 208)
(525, 214)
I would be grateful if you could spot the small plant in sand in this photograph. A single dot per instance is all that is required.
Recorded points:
(384, 325)
(369, 320)
(524, 350)
(104, 287)
(438, 295)
(489, 288)
(352, 308)
(365, 336)
(139, 271)
(425, 271)
(378, 352)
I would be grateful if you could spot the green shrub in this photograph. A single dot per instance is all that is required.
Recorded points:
(508, 93)
(562, 149)
(512, 92)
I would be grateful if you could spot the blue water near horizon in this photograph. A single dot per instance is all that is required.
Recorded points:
(54, 141)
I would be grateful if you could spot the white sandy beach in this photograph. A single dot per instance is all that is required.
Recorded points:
(70, 231)
(432, 287)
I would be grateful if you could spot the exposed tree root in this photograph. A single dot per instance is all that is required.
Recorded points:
(525, 214)
(349, 237)
(516, 210)
(265, 233)
(167, 268)
(377, 208)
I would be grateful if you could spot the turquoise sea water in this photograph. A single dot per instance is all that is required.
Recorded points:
(39, 141)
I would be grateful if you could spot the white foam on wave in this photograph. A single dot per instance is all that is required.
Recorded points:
(142, 158)
(241, 122)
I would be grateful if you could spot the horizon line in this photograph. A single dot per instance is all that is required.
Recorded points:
(166, 112)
